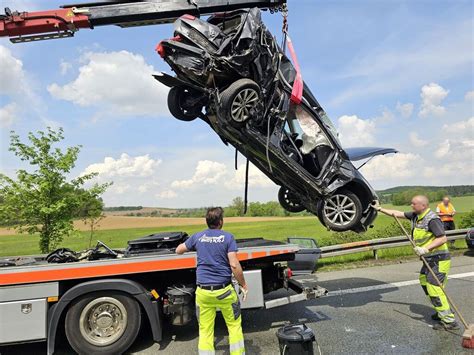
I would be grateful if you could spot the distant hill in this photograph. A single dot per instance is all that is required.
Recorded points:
(399, 194)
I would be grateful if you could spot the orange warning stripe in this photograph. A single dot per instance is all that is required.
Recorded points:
(58, 274)
(95, 271)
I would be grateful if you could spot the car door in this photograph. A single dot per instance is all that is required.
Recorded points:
(307, 257)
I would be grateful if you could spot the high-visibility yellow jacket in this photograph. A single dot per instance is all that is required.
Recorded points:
(422, 235)
(446, 209)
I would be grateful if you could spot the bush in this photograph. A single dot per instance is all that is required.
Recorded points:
(467, 221)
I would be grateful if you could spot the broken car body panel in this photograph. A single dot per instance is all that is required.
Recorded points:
(246, 84)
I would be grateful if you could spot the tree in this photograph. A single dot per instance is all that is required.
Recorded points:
(44, 200)
(238, 205)
(92, 213)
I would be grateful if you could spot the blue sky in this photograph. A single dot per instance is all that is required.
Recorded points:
(388, 73)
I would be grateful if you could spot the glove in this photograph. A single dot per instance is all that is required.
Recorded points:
(244, 291)
(420, 251)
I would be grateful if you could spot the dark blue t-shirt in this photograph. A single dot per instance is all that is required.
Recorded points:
(212, 246)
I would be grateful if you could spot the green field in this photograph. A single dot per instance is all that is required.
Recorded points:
(277, 230)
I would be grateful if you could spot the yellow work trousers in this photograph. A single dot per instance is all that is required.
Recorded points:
(434, 292)
(207, 303)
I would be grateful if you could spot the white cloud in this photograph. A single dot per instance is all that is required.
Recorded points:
(460, 127)
(432, 95)
(386, 117)
(355, 132)
(11, 73)
(416, 141)
(394, 167)
(120, 82)
(125, 166)
(207, 173)
(64, 67)
(167, 194)
(469, 96)
(405, 109)
(443, 149)
(8, 114)
(256, 178)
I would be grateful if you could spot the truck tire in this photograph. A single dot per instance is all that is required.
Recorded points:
(103, 323)
(289, 201)
(239, 100)
(341, 211)
(177, 104)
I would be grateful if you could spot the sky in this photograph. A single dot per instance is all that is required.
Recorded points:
(388, 73)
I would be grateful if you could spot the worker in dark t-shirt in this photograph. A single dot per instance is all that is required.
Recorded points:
(431, 243)
(216, 262)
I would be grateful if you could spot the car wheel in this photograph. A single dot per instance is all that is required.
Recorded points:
(319, 210)
(177, 104)
(341, 211)
(239, 101)
(289, 201)
(105, 323)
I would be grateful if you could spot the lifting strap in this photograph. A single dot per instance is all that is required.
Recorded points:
(297, 91)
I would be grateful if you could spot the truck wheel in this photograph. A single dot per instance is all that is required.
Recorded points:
(341, 211)
(103, 322)
(180, 105)
(289, 201)
(239, 101)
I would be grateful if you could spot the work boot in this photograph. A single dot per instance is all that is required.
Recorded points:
(446, 326)
(435, 317)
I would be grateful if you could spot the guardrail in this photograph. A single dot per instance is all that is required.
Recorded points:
(378, 244)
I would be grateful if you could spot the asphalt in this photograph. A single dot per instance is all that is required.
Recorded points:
(374, 310)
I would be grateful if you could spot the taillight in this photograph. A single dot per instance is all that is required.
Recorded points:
(160, 49)
(288, 273)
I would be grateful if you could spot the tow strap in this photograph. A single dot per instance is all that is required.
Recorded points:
(297, 91)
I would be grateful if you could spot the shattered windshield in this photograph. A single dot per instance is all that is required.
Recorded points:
(329, 125)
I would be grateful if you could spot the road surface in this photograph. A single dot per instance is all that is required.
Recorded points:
(375, 310)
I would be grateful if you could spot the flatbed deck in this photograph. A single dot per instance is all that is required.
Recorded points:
(165, 260)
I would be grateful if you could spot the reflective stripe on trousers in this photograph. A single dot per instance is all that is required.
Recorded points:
(434, 292)
(227, 301)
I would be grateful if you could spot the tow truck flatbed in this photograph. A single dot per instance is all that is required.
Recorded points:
(40, 298)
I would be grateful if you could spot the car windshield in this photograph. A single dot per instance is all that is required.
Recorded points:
(329, 125)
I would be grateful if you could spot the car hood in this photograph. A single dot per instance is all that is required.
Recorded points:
(360, 153)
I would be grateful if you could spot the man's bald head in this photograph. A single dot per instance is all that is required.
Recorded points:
(419, 203)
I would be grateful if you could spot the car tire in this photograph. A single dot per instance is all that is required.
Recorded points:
(319, 212)
(239, 100)
(90, 332)
(176, 97)
(341, 211)
(289, 201)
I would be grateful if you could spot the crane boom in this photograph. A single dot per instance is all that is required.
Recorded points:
(64, 22)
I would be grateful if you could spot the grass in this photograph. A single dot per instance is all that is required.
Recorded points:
(276, 230)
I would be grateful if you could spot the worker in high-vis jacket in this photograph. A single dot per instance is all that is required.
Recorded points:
(216, 262)
(446, 212)
(431, 243)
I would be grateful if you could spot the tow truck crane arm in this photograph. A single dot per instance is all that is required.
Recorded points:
(64, 22)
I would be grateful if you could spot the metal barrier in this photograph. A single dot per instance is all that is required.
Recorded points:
(377, 244)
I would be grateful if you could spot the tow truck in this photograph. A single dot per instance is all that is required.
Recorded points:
(101, 302)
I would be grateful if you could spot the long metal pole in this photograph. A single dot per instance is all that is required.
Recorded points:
(463, 321)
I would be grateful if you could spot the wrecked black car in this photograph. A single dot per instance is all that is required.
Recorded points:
(231, 73)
